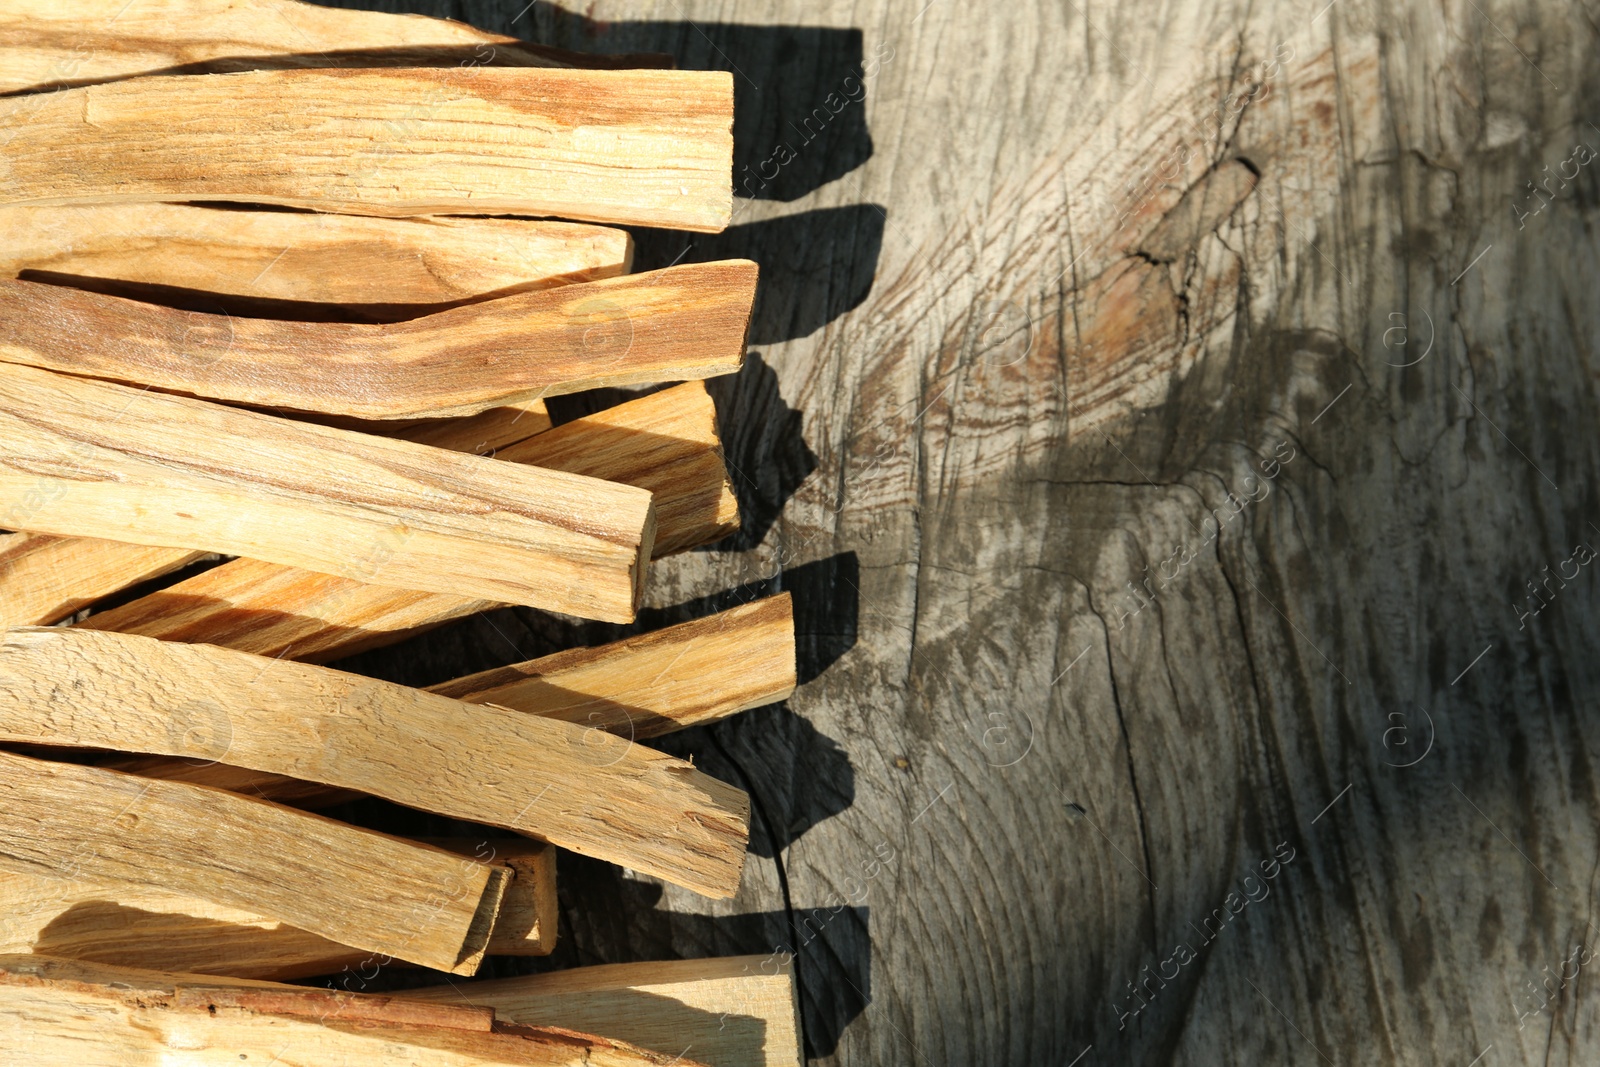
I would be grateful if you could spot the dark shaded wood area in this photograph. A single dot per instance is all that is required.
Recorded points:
(1163, 415)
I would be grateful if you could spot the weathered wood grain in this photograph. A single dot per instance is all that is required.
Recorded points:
(633, 147)
(100, 460)
(44, 579)
(157, 929)
(583, 789)
(229, 259)
(691, 674)
(49, 46)
(666, 443)
(728, 1012)
(353, 886)
(687, 322)
(66, 1012)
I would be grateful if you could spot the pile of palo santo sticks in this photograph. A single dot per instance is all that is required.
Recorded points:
(406, 233)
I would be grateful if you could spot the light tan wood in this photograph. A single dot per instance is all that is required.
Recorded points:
(641, 687)
(44, 579)
(51, 45)
(685, 322)
(638, 688)
(483, 434)
(359, 888)
(528, 921)
(161, 930)
(666, 443)
(732, 1012)
(636, 147)
(101, 460)
(226, 258)
(583, 789)
(67, 1013)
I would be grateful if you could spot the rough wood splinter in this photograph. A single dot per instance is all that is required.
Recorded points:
(740, 1011)
(640, 687)
(685, 322)
(583, 789)
(296, 265)
(101, 460)
(165, 931)
(639, 147)
(353, 886)
(666, 443)
(68, 1013)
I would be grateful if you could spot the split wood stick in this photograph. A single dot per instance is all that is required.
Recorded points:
(51, 45)
(583, 789)
(67, 1013)
(645, 686)
(44, 579)
(637, 147)
(358, 888)
(93, 459)
(685, 322)
(351, 266)
(638, 688)
(161, 930)
(733, 1012)
(665, 442)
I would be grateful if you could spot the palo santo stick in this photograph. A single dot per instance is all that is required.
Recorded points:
(638, 688)
(50, 45)
(44, 579)
(666, 443)
(379, 269)
(100, 460)
(353, 886)
(67, 1013)
(158, 929)
(739, 1011)
(642, 687)
(639, 147)
(681, 323)
(584, 790)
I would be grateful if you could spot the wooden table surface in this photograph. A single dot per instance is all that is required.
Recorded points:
(1178, 431)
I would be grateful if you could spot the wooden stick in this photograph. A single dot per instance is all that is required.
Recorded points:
(585, 790)
(638, 147)
(256, 261)
(100, 460)
(44, 579)
(68, 1013)
(359, 888)
(50, 46)
(161, 930)
(680, 323)
(666, 443)
(645, 686)
(734, 1012)
(638, 688)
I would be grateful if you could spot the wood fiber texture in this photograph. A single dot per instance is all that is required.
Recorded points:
(638, 147)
